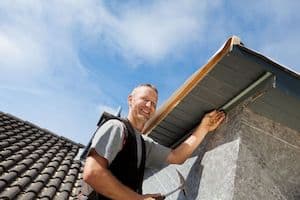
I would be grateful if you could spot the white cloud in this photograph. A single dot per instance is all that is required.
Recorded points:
(44, 30)
(148, 33)
(105, 108)
(153, 33)
(19, 53)
(41, 33)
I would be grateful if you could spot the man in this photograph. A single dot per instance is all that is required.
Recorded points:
(115, 165)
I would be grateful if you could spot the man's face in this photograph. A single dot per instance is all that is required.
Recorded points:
(142, 103)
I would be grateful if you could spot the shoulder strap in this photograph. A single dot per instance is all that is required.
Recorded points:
(104, 118)
(142, 166)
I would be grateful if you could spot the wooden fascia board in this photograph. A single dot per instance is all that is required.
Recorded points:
(189, 84)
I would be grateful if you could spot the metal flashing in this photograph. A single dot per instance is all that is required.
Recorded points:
(232, 75)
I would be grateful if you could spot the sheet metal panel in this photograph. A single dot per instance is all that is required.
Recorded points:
(233, 73)
(162, 139)
(173, 127)
(207, 95)
(182, 123)
(218, 87)
(167, 132)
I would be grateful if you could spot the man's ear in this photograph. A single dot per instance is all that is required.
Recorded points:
(129, 100)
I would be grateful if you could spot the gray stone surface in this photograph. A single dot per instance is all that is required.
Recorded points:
(248, 157)
(269, 159)
(271, 128)
(222, 163)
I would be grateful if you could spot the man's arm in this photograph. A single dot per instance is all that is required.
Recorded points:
(97, 175)
(209, 123)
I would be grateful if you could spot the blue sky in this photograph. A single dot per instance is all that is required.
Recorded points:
(63, 62)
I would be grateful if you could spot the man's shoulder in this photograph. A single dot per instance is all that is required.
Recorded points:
(114, 122)
(111, 127)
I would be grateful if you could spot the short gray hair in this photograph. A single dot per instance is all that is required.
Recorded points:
(146, 85)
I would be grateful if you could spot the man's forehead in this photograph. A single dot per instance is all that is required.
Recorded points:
(143, 89)
(145, 92)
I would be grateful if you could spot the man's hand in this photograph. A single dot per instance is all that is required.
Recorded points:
(212, 120)
(151, 197)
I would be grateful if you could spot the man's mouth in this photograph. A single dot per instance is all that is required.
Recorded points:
(145, 112)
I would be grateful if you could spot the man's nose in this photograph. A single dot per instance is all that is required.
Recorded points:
(148, 104)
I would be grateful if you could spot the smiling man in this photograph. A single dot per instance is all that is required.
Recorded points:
(114, 168)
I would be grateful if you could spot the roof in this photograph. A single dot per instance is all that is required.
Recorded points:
(36, 163)
(232, 75)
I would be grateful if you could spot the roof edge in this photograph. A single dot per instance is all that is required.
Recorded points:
(190, 83)
(43, 129)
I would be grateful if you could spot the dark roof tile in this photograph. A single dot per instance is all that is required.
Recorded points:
(38, 166)
(60, 174)
(35, 187)
(19, 137)
(8, 177)
(62, 195)
(7, 164)
(22, 129)
(43, 178)
(66, 187)
(19, 169)
(27, 140)
(44, 160)
(44, 148)
(55, 182)
(36, 163)
(27, 196)
(64, 168)
(32, 173)
(48, 155)
(54, 164)
(66, 162)
(3, 136)
(7, 127)
(73, 172)
(22, 182)
(52, 151)
(49, 170)
(23, 152)
(61, 154)
(70, 179)
(2, 185)
(20, 144)
(10, 193)
(77, 164)
(16, 158)
(13, 148)
(76, 190)
(4, 144)
(24, 134)
(27, 161)
(34, 156)
(12, 140)
(48, 192)
(2, 170)
(5, 154)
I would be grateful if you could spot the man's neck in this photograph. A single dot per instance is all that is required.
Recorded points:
(138, 125)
